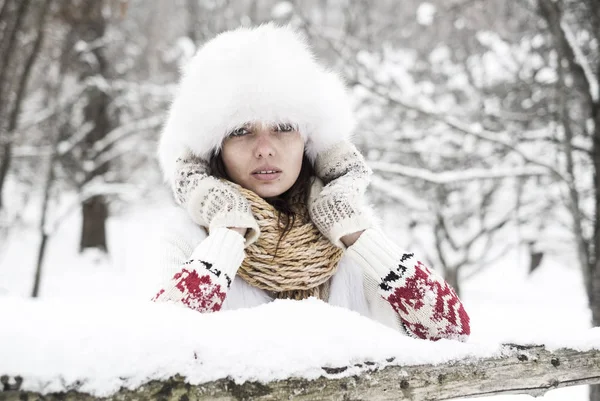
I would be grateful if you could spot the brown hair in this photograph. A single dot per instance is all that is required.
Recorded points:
(288, 203)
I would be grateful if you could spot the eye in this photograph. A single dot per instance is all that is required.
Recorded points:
(284, 127)
(239, 132)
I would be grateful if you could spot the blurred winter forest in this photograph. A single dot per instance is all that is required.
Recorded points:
(480, 118)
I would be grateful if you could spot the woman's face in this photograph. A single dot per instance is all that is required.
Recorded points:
(264, 159)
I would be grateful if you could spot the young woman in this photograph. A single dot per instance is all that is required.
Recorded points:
(257, 151)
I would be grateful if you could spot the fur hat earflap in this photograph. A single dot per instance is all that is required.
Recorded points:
(264, 74)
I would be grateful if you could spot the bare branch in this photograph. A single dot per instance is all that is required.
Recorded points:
(448, 177)
(403, 196)
(489, 262)
(126, 130)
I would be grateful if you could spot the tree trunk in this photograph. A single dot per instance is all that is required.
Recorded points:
(193, 20)
(5, 159)
(594, 265)
(88, 24)
(588, 248)
(93, 230)
(44, 215)
(452, 279)
(40, 262)
(15, 69)
(520, 370)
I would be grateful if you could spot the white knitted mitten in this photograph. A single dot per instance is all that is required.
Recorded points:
(211, 202)
(336, 208)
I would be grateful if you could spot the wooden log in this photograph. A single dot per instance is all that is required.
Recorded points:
(521, 369)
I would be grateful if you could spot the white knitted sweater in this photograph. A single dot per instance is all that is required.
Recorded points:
(374, 278)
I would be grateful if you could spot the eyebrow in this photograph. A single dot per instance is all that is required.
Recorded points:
(293, 125)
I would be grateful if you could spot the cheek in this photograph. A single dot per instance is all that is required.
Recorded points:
(232, 160)
(294, 153)
(298, 153)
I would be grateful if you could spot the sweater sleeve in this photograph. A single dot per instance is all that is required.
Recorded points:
(202, 282)
(428, 307)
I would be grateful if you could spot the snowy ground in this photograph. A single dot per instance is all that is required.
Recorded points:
(107, 299)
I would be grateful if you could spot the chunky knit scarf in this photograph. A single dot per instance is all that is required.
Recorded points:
(297, 266)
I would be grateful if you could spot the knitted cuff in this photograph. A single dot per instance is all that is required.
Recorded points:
(358, 222)
(378, 256)
(214, 204)
(223, 249)
(336, 210)
(237, 219)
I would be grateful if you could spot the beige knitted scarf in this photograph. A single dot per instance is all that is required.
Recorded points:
(303, 262)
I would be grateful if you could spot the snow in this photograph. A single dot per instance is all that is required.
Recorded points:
(95, 329)
(425, 14)
(182, 52)
(99, 341)
(282, 9)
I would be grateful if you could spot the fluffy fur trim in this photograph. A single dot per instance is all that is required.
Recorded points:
(265, 74)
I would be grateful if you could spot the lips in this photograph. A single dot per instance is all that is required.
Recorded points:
(266, 169)
(266, 173)
(267, 176)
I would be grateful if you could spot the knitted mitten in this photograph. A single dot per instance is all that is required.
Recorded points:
(428, 307)
(336, 208)
(211, 202)
(203, 281)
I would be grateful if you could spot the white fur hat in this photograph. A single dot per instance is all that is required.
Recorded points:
(263, 74)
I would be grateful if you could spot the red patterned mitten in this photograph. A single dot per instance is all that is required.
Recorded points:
(203, 281)
(428, 307)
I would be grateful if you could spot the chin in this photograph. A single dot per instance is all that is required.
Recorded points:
(266, 191)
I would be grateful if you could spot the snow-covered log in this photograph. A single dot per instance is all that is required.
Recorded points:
(521, 369)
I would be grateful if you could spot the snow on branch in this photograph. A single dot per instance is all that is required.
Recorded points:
(522, 369)
(31, 151)
(126, 130)
(476, 131)
(163, 91)
(80, 135)
(125, 349)
(100, 146)
(403, 196)
(448, 177)
(31, 119)
(95, 187)
(580, 58)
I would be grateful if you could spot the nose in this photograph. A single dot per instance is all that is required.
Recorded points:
(264, 146)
